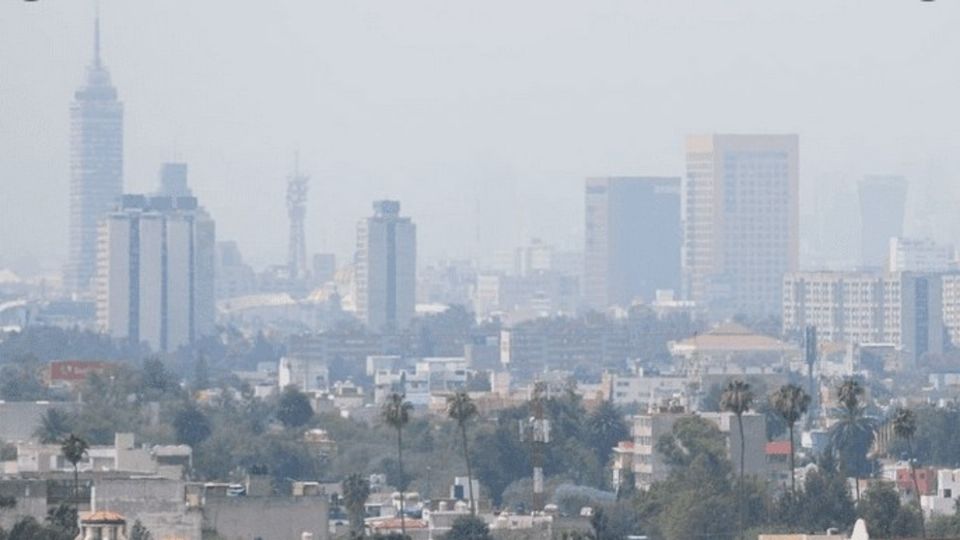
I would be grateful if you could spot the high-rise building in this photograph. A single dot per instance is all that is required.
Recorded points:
(741, 221)
(173, 180)
(153, 283)
(918, 255)
(96, 167)
(882, 206)
(386, 268)
(904, 309)
(632, 239)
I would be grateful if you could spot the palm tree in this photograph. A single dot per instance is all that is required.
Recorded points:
(55, 424)
(461, 408)
(853, 431)
(356, 489)
(791, 402)
(737, 398)
(73, 449)
(396, 413)
(905, 427)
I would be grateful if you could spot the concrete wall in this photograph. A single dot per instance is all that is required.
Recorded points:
(19, 419)
(268, 518)
(158, 503)
(31, 496)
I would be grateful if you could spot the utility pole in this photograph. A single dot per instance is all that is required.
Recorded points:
(536, 430)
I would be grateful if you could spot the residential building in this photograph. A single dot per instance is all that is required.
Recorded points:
(950, 292)
(944, 501)
(153, 285)
(918, 255)
(386, 268)
(755, 440)
(740, 221)
(903, 309)
(883, 201)
(632, 239)
(96, 167)
(642, 389)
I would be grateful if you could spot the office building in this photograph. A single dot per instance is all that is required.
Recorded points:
(740, 212)
(155, 282)
(902, 309)
(96, 167)
(918, 255)
(386, 268)
(632, 239)
(882, 206)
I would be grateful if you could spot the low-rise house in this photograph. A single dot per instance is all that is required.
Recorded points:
(947, 495)
(169, 461)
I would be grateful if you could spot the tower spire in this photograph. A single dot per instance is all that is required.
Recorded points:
(96, 37)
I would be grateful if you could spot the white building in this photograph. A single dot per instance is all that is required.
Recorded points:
(386, 268)
(155, 272)
(918, 255)
(948, 492)
(904, 309)
(307, 374)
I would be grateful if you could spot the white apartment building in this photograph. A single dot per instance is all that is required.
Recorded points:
(902, 309)
(155, 271)
(918, 255)
(648, 464)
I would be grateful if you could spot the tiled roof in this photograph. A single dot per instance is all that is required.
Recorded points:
(103, 517)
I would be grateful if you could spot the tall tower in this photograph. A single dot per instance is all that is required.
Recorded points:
(297, 184)
(741, 221)
(386, 268)
(96, 166)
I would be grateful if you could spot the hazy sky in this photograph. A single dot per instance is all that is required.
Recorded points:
(489, 111)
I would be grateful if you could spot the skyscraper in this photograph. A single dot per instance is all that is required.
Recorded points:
(386, 268)
(740, 211)
(96, 166)
(155, 279)
(882, 205)
(632, 239)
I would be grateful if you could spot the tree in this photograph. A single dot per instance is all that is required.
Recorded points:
(887, 518)
(356, 489)
(791, 402)
(905, 427)
(294, 409)
(73, 449)
(737, 398)
(605, 429)
(139, 532)
(396, 414)
(852, 434)
(468, 528)
(62, 522)
(191, 425)
(55, 424)
(462, 409)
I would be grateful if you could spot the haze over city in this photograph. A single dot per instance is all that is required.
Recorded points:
(428, 270)
(482, 119)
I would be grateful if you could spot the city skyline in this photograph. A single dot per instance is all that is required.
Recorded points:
(521, 177)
